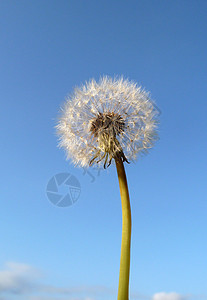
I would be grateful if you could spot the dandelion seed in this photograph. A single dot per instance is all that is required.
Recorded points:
(104, 120)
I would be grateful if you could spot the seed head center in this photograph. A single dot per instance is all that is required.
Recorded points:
(111, 124)
(106, 127)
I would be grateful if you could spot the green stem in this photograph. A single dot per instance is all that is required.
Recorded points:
(123, 291)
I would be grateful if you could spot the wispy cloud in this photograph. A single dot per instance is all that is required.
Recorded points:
(176, 296)
(94, 290)
(52, 298)
(168, 296)
(25, 282)
(17, 278)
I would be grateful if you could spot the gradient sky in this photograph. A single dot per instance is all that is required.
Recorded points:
(48, 47)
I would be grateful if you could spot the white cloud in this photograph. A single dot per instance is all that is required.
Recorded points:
(167, 296)
(176, 296)
(24, 281)
(17, 278)
(51, 298)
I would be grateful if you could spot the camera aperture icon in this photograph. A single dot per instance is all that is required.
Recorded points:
(63, 189)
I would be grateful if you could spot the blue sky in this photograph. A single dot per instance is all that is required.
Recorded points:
(46, 252)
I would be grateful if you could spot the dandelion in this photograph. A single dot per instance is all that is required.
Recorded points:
(109, 121)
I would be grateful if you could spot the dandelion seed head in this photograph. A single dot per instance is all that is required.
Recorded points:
(105, 120)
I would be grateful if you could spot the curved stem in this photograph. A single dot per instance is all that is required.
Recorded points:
(123, 291)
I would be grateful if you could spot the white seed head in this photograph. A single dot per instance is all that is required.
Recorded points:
(112, 118)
